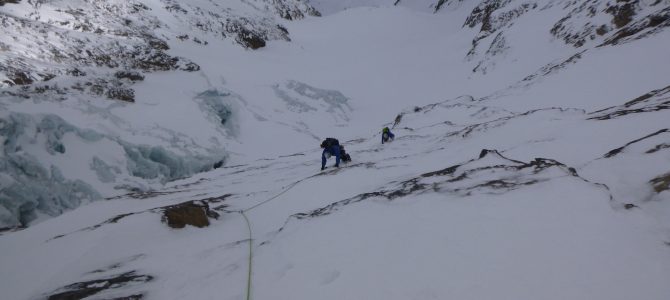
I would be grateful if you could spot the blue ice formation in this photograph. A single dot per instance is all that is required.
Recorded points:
(31, 188)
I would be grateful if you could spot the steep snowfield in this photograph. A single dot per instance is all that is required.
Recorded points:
(524, 166)
(426, 216)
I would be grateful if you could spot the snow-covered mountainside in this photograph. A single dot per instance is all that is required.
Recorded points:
(530, 161)
(72, 74)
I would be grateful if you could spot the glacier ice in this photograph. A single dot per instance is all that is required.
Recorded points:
(33, 185)
(294, 104)
(301, 97)
(220, 107)
(105, 172)
(156, 162)
(28, 188)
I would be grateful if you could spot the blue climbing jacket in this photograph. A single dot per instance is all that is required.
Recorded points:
(390, 136)
(333, 150)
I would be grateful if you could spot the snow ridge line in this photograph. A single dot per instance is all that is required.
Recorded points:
(616, 151)
(571, 171)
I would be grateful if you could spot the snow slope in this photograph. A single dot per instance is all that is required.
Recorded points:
(525, 165)
(211, 101)
(426, 216)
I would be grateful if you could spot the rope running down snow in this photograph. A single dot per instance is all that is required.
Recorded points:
(242, 212)
(290, 186)
(250, 254)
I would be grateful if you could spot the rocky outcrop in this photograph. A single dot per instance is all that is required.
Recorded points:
(72, 44)
(194, 213)
(617, 151)
(251, 31)
(583, 23)
(122, 36)
(294, 9)
(490, 173)
(655, 100)
(622, 12)
(491, 16)
(130, 75)
(439, 4)
(3, 2)
(661, 183)
(645, 27)
(248, 38)
(85, 289)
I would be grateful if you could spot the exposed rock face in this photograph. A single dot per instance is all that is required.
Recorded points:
(645, 27)
(661, 183)
(490, 173)
(249, 31)
(195, 213)
(655, 100)
(490, 19)
(437, 6)
(439, 3)
(19, 78)
(622, 12)
(617, 151)
(3, 2)
(581, 26)
(72, 43)
(124, 35)
(293, 9)
(627, 17)
(247, 38)
(122, 94)
(81, 290)
(130, 75)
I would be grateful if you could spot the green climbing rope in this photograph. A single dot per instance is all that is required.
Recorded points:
(250, 255)
(251, 244)
(286, 189)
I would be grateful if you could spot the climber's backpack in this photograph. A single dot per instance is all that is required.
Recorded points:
(329, 142)
(344, 155)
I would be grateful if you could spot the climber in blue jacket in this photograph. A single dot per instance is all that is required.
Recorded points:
(330, 147)
(387, 134)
